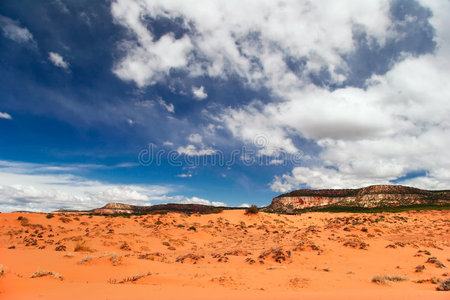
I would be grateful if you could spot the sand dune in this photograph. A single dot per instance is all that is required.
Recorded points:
(228, 255)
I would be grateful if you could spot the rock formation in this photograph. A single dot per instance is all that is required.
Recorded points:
(369, 197)
(120, 208)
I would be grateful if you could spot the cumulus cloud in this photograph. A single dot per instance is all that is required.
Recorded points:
(396, 124)
(4, 115)
(252, 40)
(146, 60)
(167, 106)
(57, 60)
(37, 187)
(400, 126)
(199, 93)
(192, 150)
(196, 200)
(195, 138)
(12, 30)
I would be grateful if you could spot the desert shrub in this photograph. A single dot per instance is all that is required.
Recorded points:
(434, 260)
(252, 210)
(65, 219)
(383, 279)
(1, 270)
(49, 216)
(420, 268)
(129, 279)
(444, 286)
(23, 221)
(42, 273)
(85, 259)
(82, 247)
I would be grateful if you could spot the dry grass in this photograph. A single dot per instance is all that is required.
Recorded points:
(82, 247)
(115, 260)
(384, 279)
(42, 273)
(85, 259)
(133, 278)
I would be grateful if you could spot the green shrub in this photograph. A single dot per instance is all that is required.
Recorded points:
(49, 216)
(252, 210)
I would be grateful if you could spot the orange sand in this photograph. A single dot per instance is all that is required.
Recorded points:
(319, 256)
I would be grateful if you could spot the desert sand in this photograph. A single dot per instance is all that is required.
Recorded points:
(229, 255)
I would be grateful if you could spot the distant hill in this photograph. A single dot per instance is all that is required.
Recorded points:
(367, 197)
(119, 208)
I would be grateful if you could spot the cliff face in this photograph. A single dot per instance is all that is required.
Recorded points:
(371, 196)
(114, 208)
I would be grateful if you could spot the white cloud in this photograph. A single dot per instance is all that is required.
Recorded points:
(199, 93)
(192, 150)
(168, 144)
(248, 39)
(57, 60)
(195, 138)
(146, 60)
(167, 106)
(184, 175)
(244, 205)
(37, 187)
(12, 30)
(401, 125)
(4, 115)
(253, 126)
(196, 200)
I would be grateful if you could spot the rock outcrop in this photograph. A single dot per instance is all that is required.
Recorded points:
(120, 208)
(369, 197)
(115, 208)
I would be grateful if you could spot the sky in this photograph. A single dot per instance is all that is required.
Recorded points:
(226, 103)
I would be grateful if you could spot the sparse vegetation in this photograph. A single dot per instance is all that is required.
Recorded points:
(444, 286)
(42, 273)
(125, 246)
(65, 219)
(252, 210)
(115, 260)
(85, 259)
(434, 260)
(49, 216)
(82, 247)
(420, 268)
(23, 221)
(383, 279)
(357, 209)
(129, 279)
(1, 270)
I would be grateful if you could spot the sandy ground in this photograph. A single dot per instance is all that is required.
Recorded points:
(224, 256)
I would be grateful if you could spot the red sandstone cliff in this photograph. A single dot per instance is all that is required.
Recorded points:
(371, 196)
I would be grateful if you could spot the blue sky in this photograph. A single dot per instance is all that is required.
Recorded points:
(138, 101)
